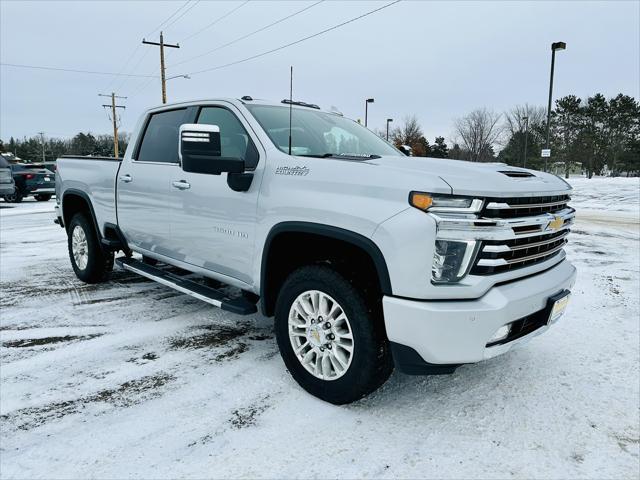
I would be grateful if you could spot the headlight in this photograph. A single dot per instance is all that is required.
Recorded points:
(444, 203)
(451, 260)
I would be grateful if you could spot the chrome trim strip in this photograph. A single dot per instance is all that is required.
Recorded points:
(506, 206)
(460, 228)
(496, 262)
(475, 207)
(507, 248)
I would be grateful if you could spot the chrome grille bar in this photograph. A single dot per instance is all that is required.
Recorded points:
(495, 262)
(502, 206)
(507, 248)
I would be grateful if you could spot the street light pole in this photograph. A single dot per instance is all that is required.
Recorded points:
(526, 139)
(389, 120)
(366, 109)
(554, 46)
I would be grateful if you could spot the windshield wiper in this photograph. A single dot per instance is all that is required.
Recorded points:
(341, 155)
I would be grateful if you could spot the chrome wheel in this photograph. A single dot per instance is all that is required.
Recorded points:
(320, 335)
(79, 247)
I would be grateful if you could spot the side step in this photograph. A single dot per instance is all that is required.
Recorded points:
(210, 295)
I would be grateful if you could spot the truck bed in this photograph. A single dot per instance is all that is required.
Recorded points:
(94, 177)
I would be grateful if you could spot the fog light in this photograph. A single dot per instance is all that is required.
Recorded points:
(501, 334)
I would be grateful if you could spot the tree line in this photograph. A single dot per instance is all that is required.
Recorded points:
(30, 149)
(596, 136)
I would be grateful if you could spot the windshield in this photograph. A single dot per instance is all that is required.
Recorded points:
(319, 134)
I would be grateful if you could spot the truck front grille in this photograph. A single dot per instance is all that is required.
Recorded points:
(497, 256)
(524, 206)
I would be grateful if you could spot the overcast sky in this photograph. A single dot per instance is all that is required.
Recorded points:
(437, 60)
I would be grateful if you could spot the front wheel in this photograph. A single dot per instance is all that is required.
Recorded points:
(330, 338)
(43, 198)
(90, 262)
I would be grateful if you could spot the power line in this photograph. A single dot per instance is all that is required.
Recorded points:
(167, 19)
(248, 34)
(72, 70)
(135, 50)
(295, 42)
(182, 14)
(206, 27)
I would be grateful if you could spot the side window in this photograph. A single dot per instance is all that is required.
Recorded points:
(234, 140)
(160, 141)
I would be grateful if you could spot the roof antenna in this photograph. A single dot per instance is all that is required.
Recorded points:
(290, 105)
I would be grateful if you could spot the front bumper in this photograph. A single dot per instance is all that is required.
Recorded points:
(453, 332)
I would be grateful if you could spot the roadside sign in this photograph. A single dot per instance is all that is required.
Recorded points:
(546, 153)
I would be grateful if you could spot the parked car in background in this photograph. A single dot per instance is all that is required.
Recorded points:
(7, 185)
(31, 179)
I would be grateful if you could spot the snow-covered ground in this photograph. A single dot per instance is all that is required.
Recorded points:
(131, 379)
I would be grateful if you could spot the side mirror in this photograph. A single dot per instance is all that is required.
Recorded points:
(199, 151)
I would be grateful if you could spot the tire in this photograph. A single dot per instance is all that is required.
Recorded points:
(43, 198)
(15, 197)
(370, 362)
(93, 264)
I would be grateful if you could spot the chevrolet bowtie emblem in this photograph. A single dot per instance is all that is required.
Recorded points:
(556, 223)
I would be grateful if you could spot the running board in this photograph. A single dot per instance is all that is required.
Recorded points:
(210, 295)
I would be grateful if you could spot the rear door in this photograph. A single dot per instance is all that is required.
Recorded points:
(213, 226)
(144, 184)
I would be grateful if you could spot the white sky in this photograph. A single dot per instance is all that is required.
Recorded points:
(437, 60)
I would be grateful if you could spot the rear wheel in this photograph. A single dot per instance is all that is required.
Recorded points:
(15, 197)
(90, 262)
(330, 339)
(43, 198)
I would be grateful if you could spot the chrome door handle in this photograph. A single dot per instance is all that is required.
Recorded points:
(181, 184)
(126, 178)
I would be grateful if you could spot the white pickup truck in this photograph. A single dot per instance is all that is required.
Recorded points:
(367, 258)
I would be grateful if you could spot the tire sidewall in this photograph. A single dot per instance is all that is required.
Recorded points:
(94, 271)
(353, 384)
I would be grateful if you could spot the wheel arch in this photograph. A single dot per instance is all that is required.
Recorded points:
(332, 240)
(75, 201)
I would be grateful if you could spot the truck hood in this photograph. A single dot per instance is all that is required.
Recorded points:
(479, 179)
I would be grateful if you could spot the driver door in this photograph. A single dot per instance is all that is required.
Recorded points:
(212, 226)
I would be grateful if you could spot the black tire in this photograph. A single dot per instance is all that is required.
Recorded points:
(100, 262)
(15, 197)
(43, 197)
(371, 363)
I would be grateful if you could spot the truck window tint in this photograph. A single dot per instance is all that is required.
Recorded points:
(234, 140)
(160, 141)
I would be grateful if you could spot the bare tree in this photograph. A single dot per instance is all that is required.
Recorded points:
(514, 119)
(408, 133)
(479, 131)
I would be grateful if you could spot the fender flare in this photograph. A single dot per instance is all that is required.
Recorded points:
(336, 233)
(85, 197)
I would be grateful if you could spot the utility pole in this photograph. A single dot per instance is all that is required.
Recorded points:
(42, 142)
(114, 118)
(162, 68)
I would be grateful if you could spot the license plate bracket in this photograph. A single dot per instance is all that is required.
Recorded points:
(556, 306)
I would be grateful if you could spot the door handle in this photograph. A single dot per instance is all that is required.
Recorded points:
(181, 184)
(126, 178)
